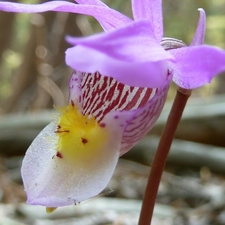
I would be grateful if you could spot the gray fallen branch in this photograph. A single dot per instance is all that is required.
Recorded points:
(104, 208)
(96, 211)
(95, 205)
(203, 121)
(173, 186)
(183, 153)
(196, 108)
(200, 120)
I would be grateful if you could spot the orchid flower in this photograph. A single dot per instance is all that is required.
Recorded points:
(117, 92)
(74, 157)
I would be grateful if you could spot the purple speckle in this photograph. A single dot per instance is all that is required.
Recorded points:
(84, 140)
(102, 124)
(59, 155)
(116, 117)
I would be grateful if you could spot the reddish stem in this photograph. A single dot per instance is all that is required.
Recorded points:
(161, 155)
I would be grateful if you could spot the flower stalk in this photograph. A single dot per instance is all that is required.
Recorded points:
(161, 155)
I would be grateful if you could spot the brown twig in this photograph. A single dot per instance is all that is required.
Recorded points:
(161, 155)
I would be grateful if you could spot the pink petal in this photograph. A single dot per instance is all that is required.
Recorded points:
(199, 36)
(149, 74)
(105, 26)
(134, 43)
(50, 181)
(128, 54)
(151, 10)
(101, 95)
(196, 66)
(75, 90)
(101, 13)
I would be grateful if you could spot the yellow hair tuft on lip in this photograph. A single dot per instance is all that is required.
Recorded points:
(79, 136)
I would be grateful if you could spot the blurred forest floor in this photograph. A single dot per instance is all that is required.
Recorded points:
(34, 77)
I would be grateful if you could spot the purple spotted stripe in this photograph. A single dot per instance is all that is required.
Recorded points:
(144, 120)
(104, 94)
(99, 95)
